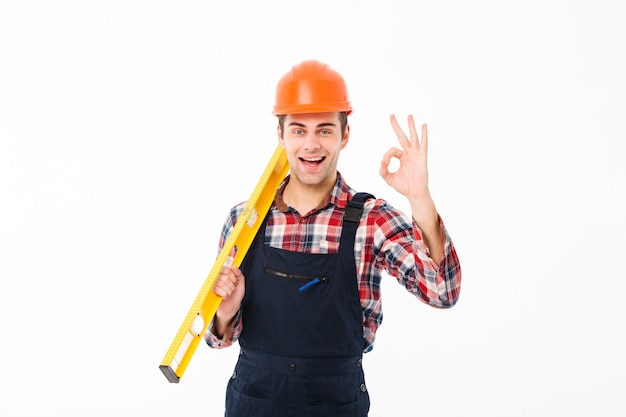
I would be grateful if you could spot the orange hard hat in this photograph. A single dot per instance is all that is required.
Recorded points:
(311, 87)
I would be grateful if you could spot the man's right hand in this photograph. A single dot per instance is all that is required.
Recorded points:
(231, 286)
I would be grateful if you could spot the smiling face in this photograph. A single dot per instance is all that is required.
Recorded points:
(312, 142)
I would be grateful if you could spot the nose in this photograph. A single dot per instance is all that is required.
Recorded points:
(311, 142)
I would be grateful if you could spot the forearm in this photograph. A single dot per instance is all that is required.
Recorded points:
(222, 327)
(221, 333)
(427, 219)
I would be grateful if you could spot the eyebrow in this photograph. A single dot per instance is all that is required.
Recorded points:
(325, 124)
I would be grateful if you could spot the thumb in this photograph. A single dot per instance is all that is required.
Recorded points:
(384, 171)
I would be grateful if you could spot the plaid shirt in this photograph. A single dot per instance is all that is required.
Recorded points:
(387, 241)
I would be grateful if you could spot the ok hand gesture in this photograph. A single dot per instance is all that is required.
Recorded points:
(411, 178)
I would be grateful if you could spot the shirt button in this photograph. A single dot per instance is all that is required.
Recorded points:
(359, 363)
(363, 388)
(292, 367)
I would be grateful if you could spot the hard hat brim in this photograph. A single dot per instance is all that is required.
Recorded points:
(312, 108)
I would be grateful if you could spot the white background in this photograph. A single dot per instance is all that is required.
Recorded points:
(129, 128)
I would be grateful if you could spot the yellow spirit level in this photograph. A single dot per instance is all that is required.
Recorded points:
(203, 309)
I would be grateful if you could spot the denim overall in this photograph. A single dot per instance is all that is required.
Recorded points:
(302, 338)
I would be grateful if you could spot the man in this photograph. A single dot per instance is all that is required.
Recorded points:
(305, 303)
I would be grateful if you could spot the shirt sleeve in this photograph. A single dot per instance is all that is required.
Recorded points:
(399, 248)
(211, 339)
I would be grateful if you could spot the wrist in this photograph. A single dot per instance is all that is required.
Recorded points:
(424, 212)
(222, 325)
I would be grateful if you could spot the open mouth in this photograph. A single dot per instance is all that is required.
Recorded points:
(313, 161)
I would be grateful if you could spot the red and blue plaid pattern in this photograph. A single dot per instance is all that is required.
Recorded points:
(387, 241)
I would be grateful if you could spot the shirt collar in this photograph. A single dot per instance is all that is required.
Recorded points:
(339, 195)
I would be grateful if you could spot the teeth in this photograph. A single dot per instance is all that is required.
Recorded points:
(312, 159)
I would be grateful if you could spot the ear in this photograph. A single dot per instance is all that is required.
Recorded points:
(346, 137)
(279, 135)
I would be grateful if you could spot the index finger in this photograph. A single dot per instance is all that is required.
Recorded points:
(404, 141)
(413, 132)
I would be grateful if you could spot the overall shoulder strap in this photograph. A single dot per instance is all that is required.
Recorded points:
(354, 209)
(351, 220)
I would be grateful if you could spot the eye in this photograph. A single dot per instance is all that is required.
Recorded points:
(326, 132)
(298, 132)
